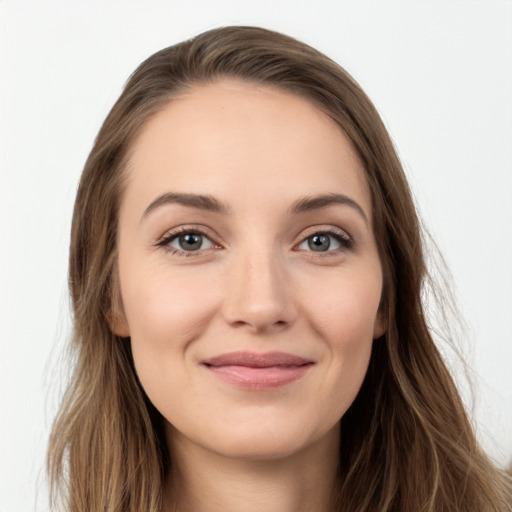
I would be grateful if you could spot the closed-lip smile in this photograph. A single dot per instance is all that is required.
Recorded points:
(258, 371)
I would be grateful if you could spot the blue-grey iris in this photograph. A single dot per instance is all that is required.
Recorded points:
(319, 243)
(191, 241)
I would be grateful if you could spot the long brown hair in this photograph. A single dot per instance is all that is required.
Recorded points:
(407, 442)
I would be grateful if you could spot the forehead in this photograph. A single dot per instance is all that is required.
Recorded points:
(243, 141)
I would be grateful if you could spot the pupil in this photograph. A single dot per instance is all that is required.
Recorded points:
(191, 241)
(319, 243)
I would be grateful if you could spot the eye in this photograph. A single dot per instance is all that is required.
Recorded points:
(325, 241)
(186, 241)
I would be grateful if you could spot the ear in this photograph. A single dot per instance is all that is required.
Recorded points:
(118, 323)
(381, 323)
(116, 317)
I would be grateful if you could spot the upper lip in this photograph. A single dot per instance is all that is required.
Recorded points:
(256, 360)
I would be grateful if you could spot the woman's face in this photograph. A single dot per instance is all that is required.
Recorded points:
(248, 270)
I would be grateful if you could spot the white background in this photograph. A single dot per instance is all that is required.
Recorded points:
(440, 73)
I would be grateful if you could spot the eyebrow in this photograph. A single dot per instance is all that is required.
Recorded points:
(309, 203)
(202, 202)
(209, 203)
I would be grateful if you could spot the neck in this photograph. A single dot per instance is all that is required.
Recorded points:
(204, 481)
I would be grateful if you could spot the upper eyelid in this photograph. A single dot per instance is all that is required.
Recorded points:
(175, 232)
(324, 228)
(203, 230)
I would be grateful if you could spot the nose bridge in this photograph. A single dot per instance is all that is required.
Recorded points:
(258, 292)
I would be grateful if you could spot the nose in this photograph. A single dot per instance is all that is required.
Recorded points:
(259, 294)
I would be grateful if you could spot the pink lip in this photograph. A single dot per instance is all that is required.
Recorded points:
(250, 370)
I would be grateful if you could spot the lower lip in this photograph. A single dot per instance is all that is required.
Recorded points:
(252, 378)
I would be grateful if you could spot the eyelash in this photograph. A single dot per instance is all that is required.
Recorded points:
(346, 243)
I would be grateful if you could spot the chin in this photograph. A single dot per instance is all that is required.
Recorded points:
(259, 447)
(265, 440)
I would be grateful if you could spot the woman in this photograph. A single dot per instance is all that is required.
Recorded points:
(246, 271)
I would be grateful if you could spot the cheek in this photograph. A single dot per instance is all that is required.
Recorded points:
(346, 310)
(164, 307)
(344, 316)
(165, 315)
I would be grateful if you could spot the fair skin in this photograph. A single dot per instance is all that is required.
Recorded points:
(252, 311)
